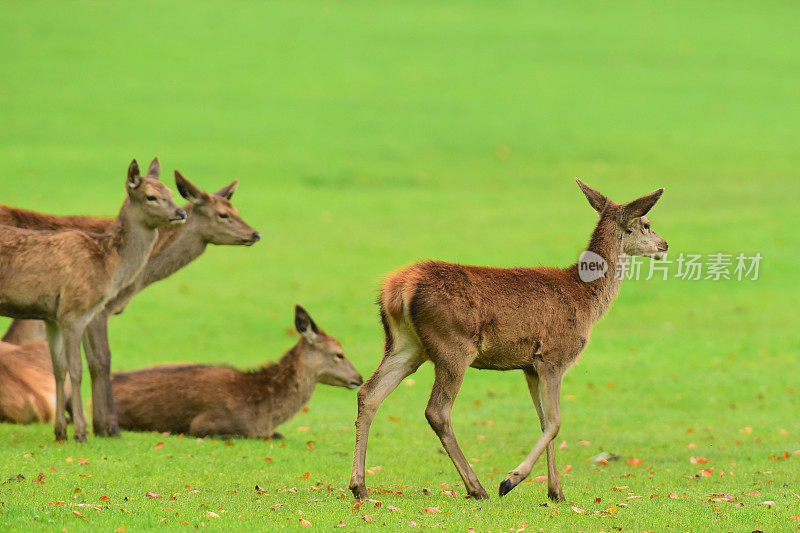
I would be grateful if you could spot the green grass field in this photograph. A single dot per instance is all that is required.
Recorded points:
(368, 135)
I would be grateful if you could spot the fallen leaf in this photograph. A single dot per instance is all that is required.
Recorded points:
(412, 523)
(303, 428)
(634, 462)
(153, 495)
(578, 510)
(706, 472)
(274, 507)
(304, 522)
(268, 459)
(367, 518)
(104, 498)
(584, 443)
(212, 514)
(691, 445)
(567, 468)
(83, 461)
(768, 503)
(754, 493)
(697, 460)
(120, 529)
(432, 510)
(394, 418)
(748, 429)
(79, 515)
(392, 508)
(341, 524)
(540, 479)
(158, 446)
(563, 445)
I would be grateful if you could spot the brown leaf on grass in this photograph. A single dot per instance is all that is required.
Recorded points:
(673, 495)
(768, 503)
(305, 475)
(367, 518)
(260, 490)
(79, 515)
(305, 409)
(578, 509)
(104, 498)
(394, 418)
(432, 510)
(634, 462)
(304, 522)
(212, 514)
(83, 461)
(39, 479)
(747, 430)
(567, 468)
(540, 479)
(153, 495)
(268, 459)
(303, 428)
(563, 445)
(158, 446)
(120, 529)
(706, 472)
(392, 508)
(691, 445)
(341, 524)
(697, 460)
(754, 493)
(449, 493)
(174, 495)
(584, 443)
(412, 523)
(274, 507)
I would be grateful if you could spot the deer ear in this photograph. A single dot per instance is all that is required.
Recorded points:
(304, 324)
(187, 189)
(134, 179)
(640, 206)
(227, 192)
(154, 171)
(596, 200)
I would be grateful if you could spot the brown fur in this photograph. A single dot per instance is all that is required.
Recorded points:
(212, 219)
(27, 387)
(207, 400)
(65, 278)
(533, 319)
(22, 218)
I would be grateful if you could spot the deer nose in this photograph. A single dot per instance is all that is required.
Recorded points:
(666, 246)
(181, 214)
(256, 236)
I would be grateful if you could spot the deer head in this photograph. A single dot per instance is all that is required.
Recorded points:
(324, 354)
(638, 237)
(151, 199)
(219, 221)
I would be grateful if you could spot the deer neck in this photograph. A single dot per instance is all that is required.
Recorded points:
(606, 241)
(131, 242)
(288, 385)
(176, 247)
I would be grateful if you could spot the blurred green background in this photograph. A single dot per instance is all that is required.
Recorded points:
(368, 135)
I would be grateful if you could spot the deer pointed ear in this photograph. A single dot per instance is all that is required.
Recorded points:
(640, 206)
(227, 192)
(304, 324)
(154, 171)
(134, 178)
(188, 190)
(596, 200)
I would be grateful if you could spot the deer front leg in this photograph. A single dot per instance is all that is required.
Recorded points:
(554, 491)
(549, 389)
(72, 348)
(56, 341)
(446, 385)
(98, 358)
(393, 369)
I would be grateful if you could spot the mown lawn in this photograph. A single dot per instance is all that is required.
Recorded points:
(367, 135)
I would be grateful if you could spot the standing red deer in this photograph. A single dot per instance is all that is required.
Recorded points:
(533, 319)
(65, 278)
(212, 219)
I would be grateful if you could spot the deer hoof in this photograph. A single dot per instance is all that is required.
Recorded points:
(506, 486)
(479, 494)
(556, 495)
(80, 437)
(359, 492)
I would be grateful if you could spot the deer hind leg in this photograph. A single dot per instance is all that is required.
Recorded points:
(394, 367)
(554, 491)
(549, 388)
(449, 375)
(56, 341)
(98, 358)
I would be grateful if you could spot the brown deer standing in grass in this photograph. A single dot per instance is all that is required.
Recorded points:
(208, 400)
(212, 219)
(533, 319)
(27, 387)
(65, 278)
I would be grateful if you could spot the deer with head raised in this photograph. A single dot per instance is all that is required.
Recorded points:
(532, 319)
(65, 278)
(212, 400)
(211, 219)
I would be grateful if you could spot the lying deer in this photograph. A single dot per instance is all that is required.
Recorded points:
(534, 319)
(65, 278)
(212, 219)
(27, 387)
(208, 400)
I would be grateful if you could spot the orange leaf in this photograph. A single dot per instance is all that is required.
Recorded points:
(368, 518)
(635, 462)
(153, 495)
(305, 523)
(697, 460)
(578, 510)
(158, 446)
(432, 510)
(79, 515)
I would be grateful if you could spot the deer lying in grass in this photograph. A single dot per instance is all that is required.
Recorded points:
(208, 400)
(534, 319)
(65, 278)
(27, 387)
(211, 220)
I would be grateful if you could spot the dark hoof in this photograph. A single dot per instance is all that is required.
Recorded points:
(556, 496)
(479, 495)
(277, 436)
(359, 492)
(80, 438)
(505, 487)
(61, 436)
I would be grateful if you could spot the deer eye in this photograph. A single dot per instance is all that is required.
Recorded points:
(628, 231)
(339, 356)
(151, 198)
(223, 215)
